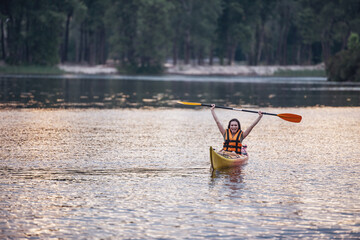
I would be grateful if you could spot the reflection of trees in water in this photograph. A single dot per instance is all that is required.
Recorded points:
(135, 93)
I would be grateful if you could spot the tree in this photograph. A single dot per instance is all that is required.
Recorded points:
(25, 20)
(140, 33)
(121, 20)
(43, 48)
(71, 8)
(193, 25)
(234, 28)
(353, 42)
(345, 65)
(92, 47)
(153, 33)
(263, 12)
(307, 26)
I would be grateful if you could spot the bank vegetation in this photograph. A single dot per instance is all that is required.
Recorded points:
(140, 36)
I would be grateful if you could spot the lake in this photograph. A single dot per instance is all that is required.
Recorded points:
(104, 158)
(84, 91)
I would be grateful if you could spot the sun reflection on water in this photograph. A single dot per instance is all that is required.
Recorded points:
(144, 173)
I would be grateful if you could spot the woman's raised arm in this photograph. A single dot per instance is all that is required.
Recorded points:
(248, 130)
(221, 128)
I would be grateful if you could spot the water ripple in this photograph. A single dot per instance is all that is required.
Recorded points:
(145, 174)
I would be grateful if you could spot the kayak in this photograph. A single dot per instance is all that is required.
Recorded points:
(220, 160)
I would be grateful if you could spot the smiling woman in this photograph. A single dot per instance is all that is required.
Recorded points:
(233, 138)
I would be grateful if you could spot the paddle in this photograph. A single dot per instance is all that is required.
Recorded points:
(286, 116)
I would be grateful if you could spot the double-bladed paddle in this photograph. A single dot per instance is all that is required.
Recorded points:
(286, 116)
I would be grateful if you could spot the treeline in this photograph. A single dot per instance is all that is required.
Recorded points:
(141, 35)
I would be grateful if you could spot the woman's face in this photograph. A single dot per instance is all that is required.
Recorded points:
(234, 126)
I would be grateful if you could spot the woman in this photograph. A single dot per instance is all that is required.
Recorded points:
(233, 135)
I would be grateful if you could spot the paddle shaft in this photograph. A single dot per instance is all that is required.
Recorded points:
(237, 109)
(285, 116)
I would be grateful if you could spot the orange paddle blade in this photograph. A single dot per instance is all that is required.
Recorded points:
(190, 103)
(290, 117)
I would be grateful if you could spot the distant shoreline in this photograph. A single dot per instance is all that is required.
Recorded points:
(216, 70)
(242, 70)
(187, 70)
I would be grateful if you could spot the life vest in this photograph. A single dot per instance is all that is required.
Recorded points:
(233, 143)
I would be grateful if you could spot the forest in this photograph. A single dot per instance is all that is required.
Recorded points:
(141, 35)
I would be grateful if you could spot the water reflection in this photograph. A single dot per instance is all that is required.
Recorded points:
(231, 178)
(144, 174)
(136, 92)
(234, 175)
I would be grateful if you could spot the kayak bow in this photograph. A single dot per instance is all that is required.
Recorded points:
(219, 161)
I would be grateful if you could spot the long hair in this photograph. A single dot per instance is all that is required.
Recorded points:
(234, 119)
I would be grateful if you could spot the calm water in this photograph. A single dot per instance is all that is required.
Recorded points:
(144, 173)
(164, 91)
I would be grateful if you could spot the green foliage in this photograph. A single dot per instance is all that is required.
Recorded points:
(33, 32)
(353, 42)
(306, 22)
(201, 24)
(153, 31)
(121, 21)
(141, 35)
(300, 73)
(43, 49)
(135, 69)
(30, 69)
(345, 65)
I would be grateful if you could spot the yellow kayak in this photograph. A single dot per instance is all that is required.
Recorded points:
(219, 160)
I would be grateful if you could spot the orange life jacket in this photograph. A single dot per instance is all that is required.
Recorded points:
(233, 143)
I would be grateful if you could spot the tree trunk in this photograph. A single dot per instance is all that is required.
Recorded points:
(279, 51)
(187, 47)
(66, 39)
(346, 37)
(282, 46)
(231, 54)
(3, 51)
(326, 51)
(282, 49)
(81, 44)
(92, 49)
(200, 57)
(175, 56)
(325, 43)
(101, 58)
(27, 53)
(221, 56)
(259, 42)
(86, 54)
(211, 55)
(309, 60)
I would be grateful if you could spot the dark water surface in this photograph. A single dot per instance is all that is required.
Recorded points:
(115, 91)
(68, 171)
